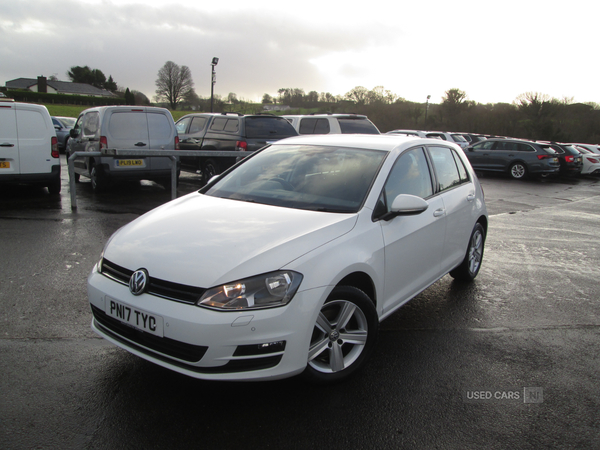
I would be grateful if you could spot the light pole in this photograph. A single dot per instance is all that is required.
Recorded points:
(213, 74)
(427, 109)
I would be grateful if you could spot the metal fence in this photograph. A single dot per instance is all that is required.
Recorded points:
(171, 154)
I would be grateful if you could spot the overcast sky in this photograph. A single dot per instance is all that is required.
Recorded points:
(494, 51)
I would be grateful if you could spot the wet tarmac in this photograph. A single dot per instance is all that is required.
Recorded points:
(509, 361)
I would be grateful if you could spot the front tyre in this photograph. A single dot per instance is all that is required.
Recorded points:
(469, 268)
(343, 337)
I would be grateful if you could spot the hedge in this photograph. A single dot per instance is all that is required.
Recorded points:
(63, 99)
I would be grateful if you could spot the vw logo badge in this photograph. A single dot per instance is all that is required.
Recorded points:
(137, 282)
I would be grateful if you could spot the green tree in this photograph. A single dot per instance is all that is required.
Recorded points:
(95, 77)
(173, 83)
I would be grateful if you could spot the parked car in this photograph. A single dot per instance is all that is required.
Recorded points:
(63, 126)
(227, 132)
(592, 148)
(569, 157)
(591, 161)
(288, 262)
(332, 124)
(124, 128)
(28, 146)
(516, 157)
(456, 138)
(473, 138)
(416, 133)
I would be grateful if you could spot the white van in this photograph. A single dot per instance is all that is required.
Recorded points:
(28, 146)
(123, 128)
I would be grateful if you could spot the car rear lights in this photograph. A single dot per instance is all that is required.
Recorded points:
(540, 157)
(54, 147)
(241, 146)
(569, 158)
(103, 142)
(176, 142)
(593, 160)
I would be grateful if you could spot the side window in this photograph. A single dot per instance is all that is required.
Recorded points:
(90, 124)
(445, 167)
(218, 124)
(410, 175)
(77, 126)
(322, 126)
(484, 145)
(307, 126)
(232, 126)
(198, 124)
(526, 148)
(182, 125)
(462, 170)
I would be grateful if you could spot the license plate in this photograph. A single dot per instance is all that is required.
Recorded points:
(142, 320)
(129, 163)
(4, 164)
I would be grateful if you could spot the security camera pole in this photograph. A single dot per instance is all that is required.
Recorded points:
(215, 61)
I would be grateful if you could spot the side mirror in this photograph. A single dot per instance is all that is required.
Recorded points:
(73, 133)
(406, 205)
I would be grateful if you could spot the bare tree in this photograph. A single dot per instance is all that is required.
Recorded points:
(174, 83)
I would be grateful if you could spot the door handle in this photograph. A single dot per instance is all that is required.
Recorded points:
(438, 212)
(6, 144)
(140, 144)
(470, 197)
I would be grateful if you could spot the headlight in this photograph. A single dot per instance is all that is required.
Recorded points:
(263, 291)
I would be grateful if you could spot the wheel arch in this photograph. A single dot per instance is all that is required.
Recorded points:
(362, 281)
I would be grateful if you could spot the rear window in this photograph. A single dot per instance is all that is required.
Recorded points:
(459, 138)
(357, 126)
(268, 127)
(159, 126)
(128, 125)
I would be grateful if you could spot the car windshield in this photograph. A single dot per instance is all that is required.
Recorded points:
(311, 177)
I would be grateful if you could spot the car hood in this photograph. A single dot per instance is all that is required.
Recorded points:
(204, 241)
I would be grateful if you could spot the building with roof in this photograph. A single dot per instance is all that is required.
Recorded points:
(41, 84)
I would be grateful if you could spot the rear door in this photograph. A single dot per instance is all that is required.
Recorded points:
(127, 129)
(35, 132)
(9, 144)
(413, 243)
(161, 135)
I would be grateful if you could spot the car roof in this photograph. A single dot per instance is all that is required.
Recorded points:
(385, 142)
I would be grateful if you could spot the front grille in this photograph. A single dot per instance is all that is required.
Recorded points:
(161, 288)
(164, 345)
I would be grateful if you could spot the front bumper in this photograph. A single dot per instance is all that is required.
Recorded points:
(206, 344)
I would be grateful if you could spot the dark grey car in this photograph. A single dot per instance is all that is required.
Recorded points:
(516, 157)
(227, 132)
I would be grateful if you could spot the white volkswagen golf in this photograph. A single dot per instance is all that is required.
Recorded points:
(287, 263)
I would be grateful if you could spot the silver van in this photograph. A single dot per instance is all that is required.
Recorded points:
(123, 128)
(28, 146)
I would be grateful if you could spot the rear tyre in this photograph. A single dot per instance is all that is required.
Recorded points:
(343, 337)
(210, 169)
(518, 171)
(469, 268)
(97, 179)
(54, 188)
